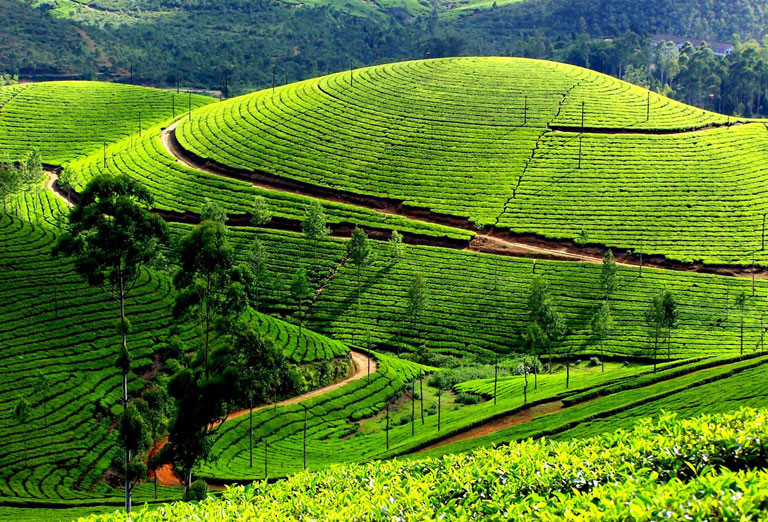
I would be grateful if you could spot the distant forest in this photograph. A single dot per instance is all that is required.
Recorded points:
(256, 42)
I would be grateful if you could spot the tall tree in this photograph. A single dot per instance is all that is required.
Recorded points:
(133, 438)
(111, 236)
(654, 318)
(542, 311)
(395, 246)
(608, 275)
(263, 371)
(315, 228)
(601, 326)
(670, 317)
(300, 293)
(257, 258)
(10, 181)
(32, 172)
(202, 403)
(534, 339)
(417, 299)
(359, 252)
(210, 288)
(211, 211)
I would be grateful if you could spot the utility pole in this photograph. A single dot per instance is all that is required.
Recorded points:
(582, 117)
(305, 437)
(413, 408)
(387, 428)
(648, 108)
(178, 86)
(525, 112)
(369, 365)
(421, 396)
(579, 151)
(439, 394)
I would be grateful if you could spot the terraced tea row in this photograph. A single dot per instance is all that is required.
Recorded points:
(470, 138)
(180, 188)
(64, 120)
(696, 196)
(694, 472)
(341, 438)
(717, 389)
(326, 422)
(59, 345)
(477, 302)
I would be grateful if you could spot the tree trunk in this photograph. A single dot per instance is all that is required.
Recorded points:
(188, 481)
(602, 358)
(535, 375)
(124, 336)
(655, 348)
(525, 386)
(439, 395)
(669, 344)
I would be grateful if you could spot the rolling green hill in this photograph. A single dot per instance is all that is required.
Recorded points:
(498, 142)
(456, 154)
(64, 120)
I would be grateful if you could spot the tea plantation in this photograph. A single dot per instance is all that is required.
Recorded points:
(64, 120)
(448, 152)
(503, 142)
(674, 466)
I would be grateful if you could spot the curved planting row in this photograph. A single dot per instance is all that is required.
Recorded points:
(722, 388)
(695, 196)
(471, 138)
(307, 347)
(327, 427)
(476, 303)
(59, 344)
(708, 467)
(64, 120)
(180, 188)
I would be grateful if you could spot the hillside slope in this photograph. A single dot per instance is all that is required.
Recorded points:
(64, 120)
(528, 146)
(696, 473)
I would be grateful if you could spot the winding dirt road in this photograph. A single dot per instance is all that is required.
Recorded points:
(167, 476)
(493, 241)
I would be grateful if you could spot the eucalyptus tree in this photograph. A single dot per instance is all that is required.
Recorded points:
(110, 237)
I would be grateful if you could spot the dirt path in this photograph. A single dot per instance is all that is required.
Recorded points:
(166, 475)
(519, 417)
(493, 240)
(50, 178)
